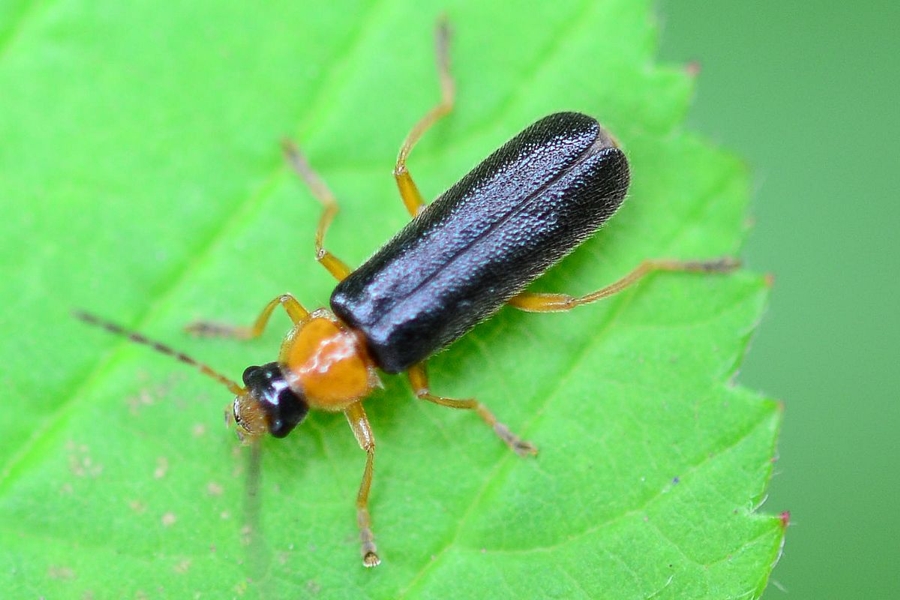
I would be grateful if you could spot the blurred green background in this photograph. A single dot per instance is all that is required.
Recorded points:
(807, 93)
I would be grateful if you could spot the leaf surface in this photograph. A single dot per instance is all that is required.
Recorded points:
(141, 179)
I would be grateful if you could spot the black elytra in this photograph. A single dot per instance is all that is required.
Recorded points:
(484, 240)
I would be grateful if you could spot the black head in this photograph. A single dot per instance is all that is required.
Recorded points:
(269, 403)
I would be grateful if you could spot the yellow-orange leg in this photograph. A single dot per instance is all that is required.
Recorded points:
(359, 423)
(418, 378)
(544, 302)
(409, 192)
(324, 195)
(291, 306)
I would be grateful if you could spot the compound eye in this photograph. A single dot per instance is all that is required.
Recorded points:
(250, 374)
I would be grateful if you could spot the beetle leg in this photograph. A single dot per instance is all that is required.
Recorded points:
(409, 192)
(359, 423)
(321, 192)
(418, 378)
(544, 302)
(291, 305)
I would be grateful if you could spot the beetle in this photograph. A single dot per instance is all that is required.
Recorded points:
(460, 259)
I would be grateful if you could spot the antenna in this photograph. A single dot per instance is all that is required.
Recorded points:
(138, 338)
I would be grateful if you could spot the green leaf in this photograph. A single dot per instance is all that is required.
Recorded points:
(141, 179)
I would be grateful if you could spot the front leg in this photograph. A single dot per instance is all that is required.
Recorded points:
(291, 305)
(359, 423)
